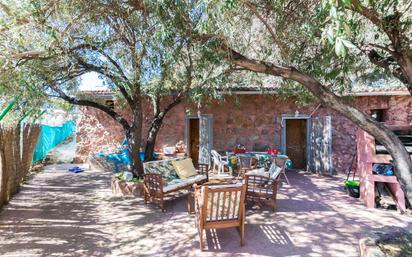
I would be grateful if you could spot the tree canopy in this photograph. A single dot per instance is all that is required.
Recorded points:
(306, 43)
(48, 46)
(310, 47)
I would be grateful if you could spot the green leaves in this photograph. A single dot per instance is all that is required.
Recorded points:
(340, 49)
(330, 35)
(347, 43)
(229, 4)
(342, 45)
(347, 3)
(333, 12)
(338, 27)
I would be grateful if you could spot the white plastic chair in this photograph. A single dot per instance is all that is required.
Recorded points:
(219, 162)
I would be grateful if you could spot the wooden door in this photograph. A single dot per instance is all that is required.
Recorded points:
(320, 160)
(296, 142)
(194, 140)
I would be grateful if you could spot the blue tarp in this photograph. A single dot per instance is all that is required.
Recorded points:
(122, 157)
(50, 137)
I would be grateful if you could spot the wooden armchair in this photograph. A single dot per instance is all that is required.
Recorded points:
(220, 206)
(246, 163)
(262, 187)
(281, 162)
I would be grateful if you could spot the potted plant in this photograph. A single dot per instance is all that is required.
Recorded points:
(124, 183)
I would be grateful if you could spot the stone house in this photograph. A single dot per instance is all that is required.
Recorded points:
(258, 120)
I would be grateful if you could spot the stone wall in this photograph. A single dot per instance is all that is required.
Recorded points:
(252, 120)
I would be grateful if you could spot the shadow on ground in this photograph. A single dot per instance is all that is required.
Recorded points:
(63, 214)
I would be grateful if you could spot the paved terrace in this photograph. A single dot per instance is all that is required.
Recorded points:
(62, 214)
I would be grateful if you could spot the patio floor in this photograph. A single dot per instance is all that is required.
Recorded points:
(63, 214)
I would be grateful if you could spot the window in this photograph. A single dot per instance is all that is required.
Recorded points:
(379, 114)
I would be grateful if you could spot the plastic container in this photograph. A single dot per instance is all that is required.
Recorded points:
(352, 188)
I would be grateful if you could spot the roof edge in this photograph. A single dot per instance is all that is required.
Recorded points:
(109, 94)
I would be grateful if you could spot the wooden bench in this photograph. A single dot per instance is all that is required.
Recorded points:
(160, 179)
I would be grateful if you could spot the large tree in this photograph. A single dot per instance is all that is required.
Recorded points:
(184, 73)
(50, 45)
(285, 39)
(55, 43)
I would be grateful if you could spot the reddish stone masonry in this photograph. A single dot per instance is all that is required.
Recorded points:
(125, 188)
(252, 120)
(119, 187)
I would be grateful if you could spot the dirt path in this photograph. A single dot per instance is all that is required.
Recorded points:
(62, 214)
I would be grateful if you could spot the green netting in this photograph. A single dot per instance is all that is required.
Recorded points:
(50, 137)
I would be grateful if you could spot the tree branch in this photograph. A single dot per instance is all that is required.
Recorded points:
(400, 42)
(253, 9)
(114, 115)
(108, 57)
(386, 63)
(104, 71)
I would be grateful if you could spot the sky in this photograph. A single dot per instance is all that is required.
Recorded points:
(91, 81)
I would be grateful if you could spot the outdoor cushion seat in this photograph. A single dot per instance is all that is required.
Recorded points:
(178, 183)
(259, 172)
(274, 172)
(220, 206)
(224, 202)
(160, 178)
(164, 168)
(263, 186)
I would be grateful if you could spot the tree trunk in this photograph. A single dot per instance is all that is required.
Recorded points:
(151, 138)
(402, 161)
(405, 62)
(134, 138)
(157, 124)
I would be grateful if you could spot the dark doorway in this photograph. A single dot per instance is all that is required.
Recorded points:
(296, 142)
(194, 140)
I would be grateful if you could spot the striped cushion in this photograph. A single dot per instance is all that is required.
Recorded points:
(224, 202)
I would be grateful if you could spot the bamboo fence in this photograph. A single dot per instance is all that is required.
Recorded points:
(17, 145)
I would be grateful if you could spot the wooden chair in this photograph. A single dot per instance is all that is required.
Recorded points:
(220, 206)
(262, 187)
(246, 163)
(281, 162)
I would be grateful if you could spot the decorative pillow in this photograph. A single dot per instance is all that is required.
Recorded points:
(274, 171)
(184, 168)
(165, 169)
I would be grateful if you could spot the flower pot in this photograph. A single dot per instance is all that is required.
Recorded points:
(125, 188)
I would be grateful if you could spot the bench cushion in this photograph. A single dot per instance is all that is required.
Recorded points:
(164, 168)
(174, 184)
(184, 168)
(258, 172)
(226, 201)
